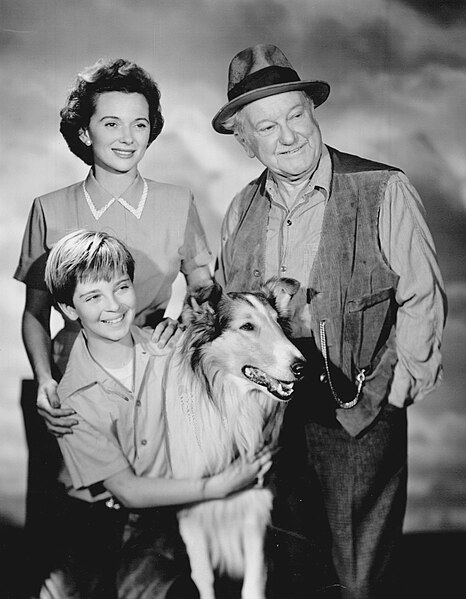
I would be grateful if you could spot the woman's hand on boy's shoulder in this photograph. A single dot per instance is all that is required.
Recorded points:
(59, 421)
(167, 333)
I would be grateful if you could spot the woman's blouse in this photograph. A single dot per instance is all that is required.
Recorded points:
(161, 228)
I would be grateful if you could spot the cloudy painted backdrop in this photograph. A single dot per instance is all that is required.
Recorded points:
(398, 76)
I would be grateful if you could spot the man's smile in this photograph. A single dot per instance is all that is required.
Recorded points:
(293, 151)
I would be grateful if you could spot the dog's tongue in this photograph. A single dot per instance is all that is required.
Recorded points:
(280, 389)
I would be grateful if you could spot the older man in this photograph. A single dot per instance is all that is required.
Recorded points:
(352, 231)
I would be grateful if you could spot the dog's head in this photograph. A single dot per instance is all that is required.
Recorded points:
(242, 335)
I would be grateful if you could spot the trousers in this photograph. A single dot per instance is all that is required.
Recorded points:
(344, 494)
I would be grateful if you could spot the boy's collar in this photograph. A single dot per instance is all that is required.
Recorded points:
(87, 372)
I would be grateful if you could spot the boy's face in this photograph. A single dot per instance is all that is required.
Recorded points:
(106, 309)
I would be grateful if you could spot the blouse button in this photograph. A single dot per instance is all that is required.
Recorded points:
(144, 442)
(283, 268)
(288, 222)
(138, 403)
(256, 273)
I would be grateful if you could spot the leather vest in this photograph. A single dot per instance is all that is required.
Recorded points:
(351, 287)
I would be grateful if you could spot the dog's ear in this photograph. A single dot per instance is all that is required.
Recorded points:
(202, 301)
(280, 291)
(206, 296)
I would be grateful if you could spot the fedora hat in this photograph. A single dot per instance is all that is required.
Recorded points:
(260, 71)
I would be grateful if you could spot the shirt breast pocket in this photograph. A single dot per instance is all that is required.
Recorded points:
(309, 254)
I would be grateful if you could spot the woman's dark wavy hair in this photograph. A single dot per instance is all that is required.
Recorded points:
(106, 76)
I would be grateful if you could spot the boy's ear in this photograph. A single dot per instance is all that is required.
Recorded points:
(68, 311)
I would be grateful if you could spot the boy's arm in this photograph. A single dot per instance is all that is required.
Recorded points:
(144, 492)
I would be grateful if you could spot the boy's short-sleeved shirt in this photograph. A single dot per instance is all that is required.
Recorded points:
(117, 428)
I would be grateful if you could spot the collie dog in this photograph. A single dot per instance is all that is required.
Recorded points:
(231, 376)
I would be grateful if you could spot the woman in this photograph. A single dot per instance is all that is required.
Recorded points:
(111, 117)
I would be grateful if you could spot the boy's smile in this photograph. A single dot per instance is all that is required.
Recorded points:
(106, 309)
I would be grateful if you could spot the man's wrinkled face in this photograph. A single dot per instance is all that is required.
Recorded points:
(282, 133)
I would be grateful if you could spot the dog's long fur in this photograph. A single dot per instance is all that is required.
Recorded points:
(220, 415)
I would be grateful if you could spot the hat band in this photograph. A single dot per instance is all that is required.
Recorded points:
(263, 78)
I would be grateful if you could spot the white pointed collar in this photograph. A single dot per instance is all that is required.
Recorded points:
(99, 194)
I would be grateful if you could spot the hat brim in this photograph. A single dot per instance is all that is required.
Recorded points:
(318, 91)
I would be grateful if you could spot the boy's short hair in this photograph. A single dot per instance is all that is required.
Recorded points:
(85, 256)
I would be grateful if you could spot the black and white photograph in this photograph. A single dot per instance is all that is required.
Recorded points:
(233, 263)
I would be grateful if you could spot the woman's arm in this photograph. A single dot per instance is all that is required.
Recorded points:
(168, 331)
(38, 344)
(143, 492)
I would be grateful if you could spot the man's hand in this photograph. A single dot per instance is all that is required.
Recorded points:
(167, 333)
(58, 420)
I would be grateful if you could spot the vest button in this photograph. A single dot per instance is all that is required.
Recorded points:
(256, 273)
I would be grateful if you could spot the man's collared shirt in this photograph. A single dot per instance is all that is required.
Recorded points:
(290, 245)
(292, 241)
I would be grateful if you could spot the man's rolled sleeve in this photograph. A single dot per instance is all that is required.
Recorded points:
(195, 251)
(409, 249)
(229, 224)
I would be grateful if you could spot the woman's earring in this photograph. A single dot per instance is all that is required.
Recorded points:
(88, 142)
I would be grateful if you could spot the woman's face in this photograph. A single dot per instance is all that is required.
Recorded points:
(118, 131)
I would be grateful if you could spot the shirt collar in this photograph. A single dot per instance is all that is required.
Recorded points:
(99, 199)
(87, 372)
(320, 178)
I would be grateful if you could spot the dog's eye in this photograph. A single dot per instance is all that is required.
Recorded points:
(247, 326)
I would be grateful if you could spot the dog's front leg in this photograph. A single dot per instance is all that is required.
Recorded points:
(255, 571)
(198, 553)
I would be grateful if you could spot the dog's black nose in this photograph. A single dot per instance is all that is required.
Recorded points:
(297, 368)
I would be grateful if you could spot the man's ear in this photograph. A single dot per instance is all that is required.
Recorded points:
(84, 136)
(244, 143)
(68, 311)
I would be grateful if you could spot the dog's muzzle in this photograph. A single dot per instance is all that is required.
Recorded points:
(281, 390)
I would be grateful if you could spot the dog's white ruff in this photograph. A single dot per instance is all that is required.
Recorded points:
(214, 417)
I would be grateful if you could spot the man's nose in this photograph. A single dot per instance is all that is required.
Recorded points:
(287, 135)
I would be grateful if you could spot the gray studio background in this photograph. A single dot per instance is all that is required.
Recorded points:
(398, 77)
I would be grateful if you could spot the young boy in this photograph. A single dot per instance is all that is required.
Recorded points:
(117, 450)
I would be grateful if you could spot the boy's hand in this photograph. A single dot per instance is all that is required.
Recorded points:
(58, 420)
(167, 333)
(239, 475)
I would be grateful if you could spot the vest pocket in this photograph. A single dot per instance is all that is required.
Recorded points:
(371, 299)
(368, 323)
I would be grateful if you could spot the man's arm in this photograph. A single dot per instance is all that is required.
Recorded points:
(409, 250)
(38, 344)
(230, 221)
